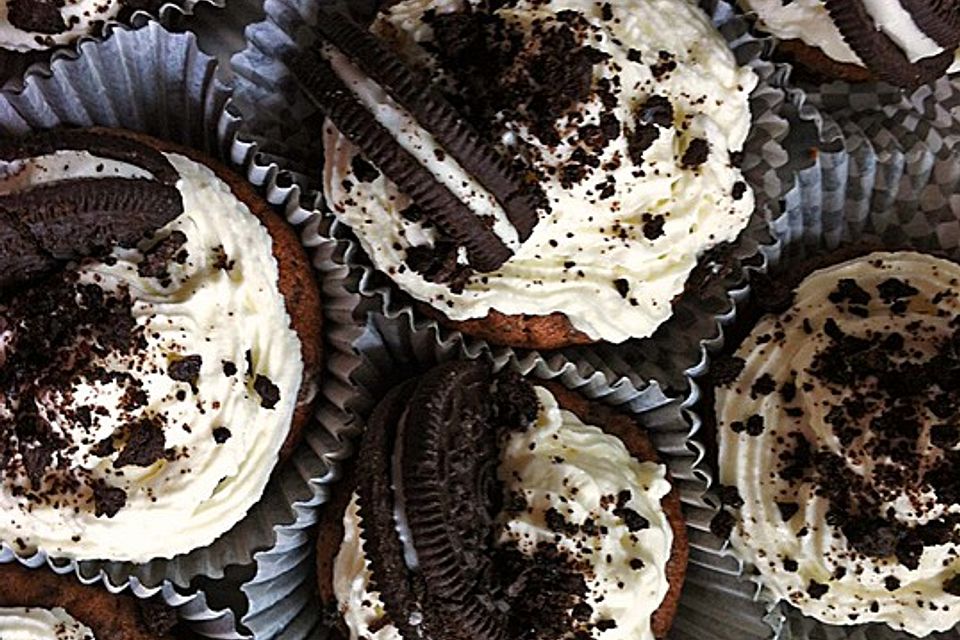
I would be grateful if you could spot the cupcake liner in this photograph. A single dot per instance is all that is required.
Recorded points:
(893, 183)
(15, 65)
(282, 121)
(161, 84)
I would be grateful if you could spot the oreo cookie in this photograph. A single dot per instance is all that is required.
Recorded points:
(105, 144)
(521, 200)
(879, 53)
(485, 250)
(48, 224)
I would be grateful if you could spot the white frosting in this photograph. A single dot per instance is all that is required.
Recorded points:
(31, 623)
(577, 252)
(174, 505)
(559, 463)
(78, 15)
(809, 21)
(752, 462)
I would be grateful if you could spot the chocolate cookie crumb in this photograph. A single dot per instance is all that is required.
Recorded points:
(269, 392)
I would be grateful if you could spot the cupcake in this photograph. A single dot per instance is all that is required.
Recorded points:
(535, 174)
(838, 443)
(903, 43)
(40, 605)
(159, 346)
(484, 506)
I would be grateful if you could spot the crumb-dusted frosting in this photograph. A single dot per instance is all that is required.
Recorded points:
(629, 116)
(809, 21)
(39, 24)
(139, 422)
(566, 485)
(839, 444)
(33, 623)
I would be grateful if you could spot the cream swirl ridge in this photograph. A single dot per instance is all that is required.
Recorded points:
(636, 165)
(157, 423)
(839, 435)
(34, 623)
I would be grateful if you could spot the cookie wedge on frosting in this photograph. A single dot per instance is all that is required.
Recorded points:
(619, 124)
(37, 604)
(161, 361)
(839, 443)
(906, 43)
(487, 506)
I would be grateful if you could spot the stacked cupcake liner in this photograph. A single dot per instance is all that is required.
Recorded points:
(161, 84)
(885, 171)
(285, 123)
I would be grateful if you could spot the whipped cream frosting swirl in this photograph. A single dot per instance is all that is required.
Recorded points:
(639, 176)
(162, 447)
(839, 436)
(61, 25)
(558, 467)
(33, 623)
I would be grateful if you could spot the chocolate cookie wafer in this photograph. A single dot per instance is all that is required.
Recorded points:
(470, 510)
(334, 75)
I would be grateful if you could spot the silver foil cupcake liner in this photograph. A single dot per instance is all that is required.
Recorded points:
(162, 84)
(283, 122)
(15, 65)
(886, 173)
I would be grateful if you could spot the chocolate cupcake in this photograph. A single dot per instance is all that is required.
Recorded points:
(838, 443)
(536, 174)
(483, 506)
(160, 346)
(40, 605)
(905, 43)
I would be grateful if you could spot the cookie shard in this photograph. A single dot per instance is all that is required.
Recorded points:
(485, 250)
(20, 257)
(519, 200)
(879, 52)
(72, 219)
(103, 144)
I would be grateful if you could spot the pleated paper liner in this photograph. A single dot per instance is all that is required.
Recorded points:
(161, 84)
(283, 122)
(894, 184)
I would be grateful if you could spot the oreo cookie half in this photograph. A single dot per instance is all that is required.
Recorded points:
(48, 224)
(427, 500)
(104, 144)
(879, 53)
(521, 200)
(485, 250)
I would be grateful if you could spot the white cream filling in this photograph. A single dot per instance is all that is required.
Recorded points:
(576, 253)
(809, 21)
(751, 462)
(174, 506)
(79, 16)
(560, 463)
(32, 623)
